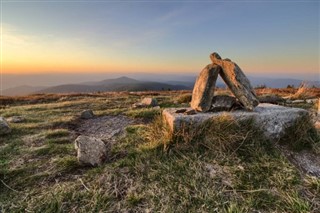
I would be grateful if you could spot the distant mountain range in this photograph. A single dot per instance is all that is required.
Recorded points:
(117, 84)
(130, 84)
(22, 90)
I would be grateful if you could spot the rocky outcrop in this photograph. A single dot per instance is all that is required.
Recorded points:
(204, 88)
(91, 151)
(4, 127)
(236, 81)
(233, 76)
(87, 114)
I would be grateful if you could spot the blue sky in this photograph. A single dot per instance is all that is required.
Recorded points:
(267, 38)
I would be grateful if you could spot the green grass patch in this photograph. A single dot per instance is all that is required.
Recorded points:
(67, 164)
(223, 166)
(148, 113)
(57, 133)
(184, 98)
(54, 149)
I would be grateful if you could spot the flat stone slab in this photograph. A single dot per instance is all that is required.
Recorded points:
(272, 119)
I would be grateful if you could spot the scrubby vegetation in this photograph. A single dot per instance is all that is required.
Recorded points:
(231, 169)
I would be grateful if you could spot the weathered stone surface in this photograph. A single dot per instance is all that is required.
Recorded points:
(272, 119)
(319, 107)
(271, 99)
(87, 114)
(222, 103)
(203, 90)
(90, 150)
(298, 101)
(236, 81)
(16, 119)
(4, 127)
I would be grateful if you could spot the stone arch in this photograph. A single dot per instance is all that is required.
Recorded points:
(232, 75)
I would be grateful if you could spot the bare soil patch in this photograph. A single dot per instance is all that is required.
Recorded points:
(305, 161)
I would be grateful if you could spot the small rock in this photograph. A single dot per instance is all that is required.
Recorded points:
(146, 102)
(65, 98)
(91, 151)
(222, 103)
(149, 102)
(138, 105)
(157, 107)
(298, 101)
(4, 127)
(16, 119)
(271, 99)
(203, 90)
(87, 114)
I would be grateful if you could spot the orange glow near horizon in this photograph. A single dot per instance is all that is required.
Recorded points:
(34, 65)
(30, 67)
(25, 54)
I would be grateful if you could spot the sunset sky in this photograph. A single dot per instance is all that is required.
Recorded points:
(264, 38)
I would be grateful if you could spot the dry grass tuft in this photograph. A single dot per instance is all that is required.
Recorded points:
(302, 135)
(304, 92)
(184, 98)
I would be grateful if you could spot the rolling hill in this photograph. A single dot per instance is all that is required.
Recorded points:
(22, 90)
(117, 84)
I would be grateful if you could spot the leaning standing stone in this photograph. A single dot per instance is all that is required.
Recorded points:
(236, 81)
(203, 90)
(4, 127)
(91, 151)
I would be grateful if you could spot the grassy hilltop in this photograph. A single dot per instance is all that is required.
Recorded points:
(150, 170)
